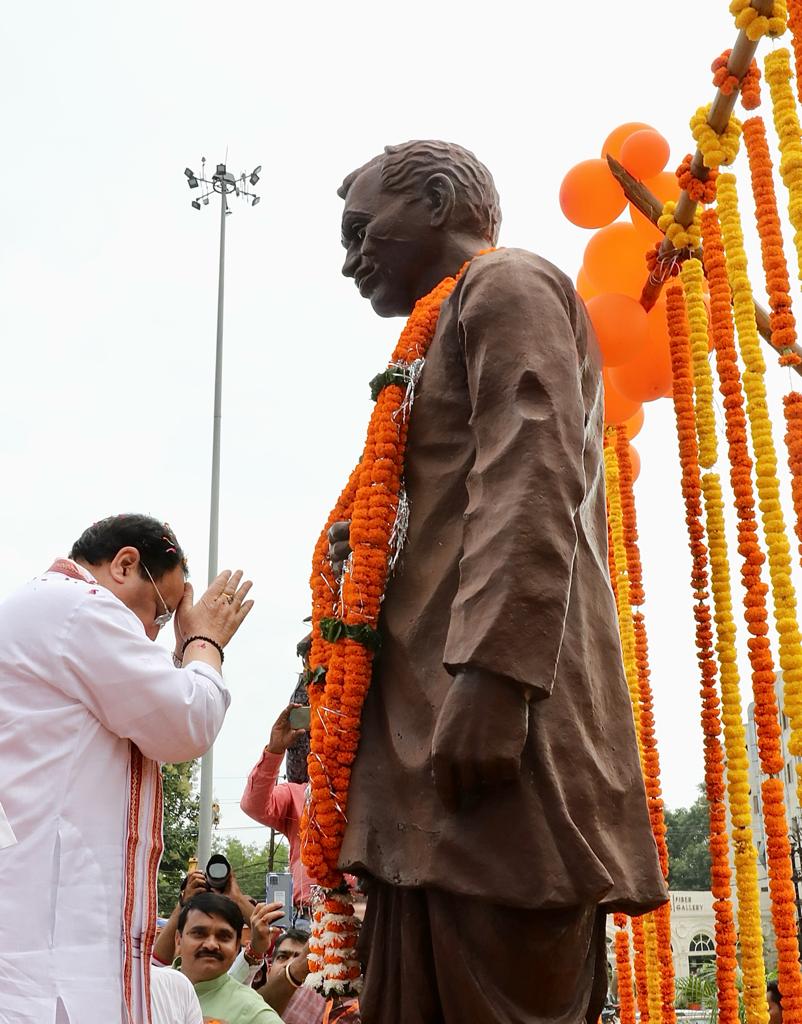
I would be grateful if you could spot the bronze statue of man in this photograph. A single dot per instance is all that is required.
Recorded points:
(496, 804)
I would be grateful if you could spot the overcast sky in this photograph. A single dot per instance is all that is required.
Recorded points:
(109, 277)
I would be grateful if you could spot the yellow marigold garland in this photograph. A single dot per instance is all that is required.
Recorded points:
(737, 765)
(779, 558)
(681, 237)
(716, 149)
(786, 122)
(625, 625)
(692, 277)
(711, 727)
(755, 24)
(795, 24)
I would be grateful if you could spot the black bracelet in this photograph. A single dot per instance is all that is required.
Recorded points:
(208, 640)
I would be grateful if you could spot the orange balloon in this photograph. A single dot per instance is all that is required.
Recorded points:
(615, 260)
(617, 408)
(645, 154)
(648, 375)
(634, 423)
(618, 136)
(590, 196)
(583, 285)
(620, 323)
(665, 186)
(634, 458)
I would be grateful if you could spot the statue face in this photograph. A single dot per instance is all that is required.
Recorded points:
(390, 244)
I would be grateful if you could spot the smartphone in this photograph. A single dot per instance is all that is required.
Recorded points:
(300, 718)
(278, 889)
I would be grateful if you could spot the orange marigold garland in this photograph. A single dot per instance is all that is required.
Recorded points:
(778, 287)
(651, 757)
(626, 995)
(727, 83)
(792, 407)
(763, 678)
(711, 725)
(698, 190)
(345, 637)
(641, 971)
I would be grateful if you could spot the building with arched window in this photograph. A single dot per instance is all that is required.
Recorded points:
(692, 933)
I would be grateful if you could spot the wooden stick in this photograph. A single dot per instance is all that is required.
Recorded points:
(742, 55)
(650, 206)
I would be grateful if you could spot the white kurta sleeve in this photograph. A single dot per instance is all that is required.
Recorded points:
(129, 683)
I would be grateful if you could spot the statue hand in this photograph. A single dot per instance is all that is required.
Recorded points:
(479, 736)
(339, 545)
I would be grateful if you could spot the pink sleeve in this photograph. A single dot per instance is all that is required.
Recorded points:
(263, 800)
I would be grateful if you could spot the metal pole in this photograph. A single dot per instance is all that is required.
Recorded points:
(207, 761)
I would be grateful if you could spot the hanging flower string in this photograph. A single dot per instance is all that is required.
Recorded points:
(641, 971)
(789, 135)
(763, 678)
(768, 486)
(795, 24)
(792, 408)
(737, 764)
(714, 762)
(626, 997)
(651, 758)
(704, 413)
(778, 288)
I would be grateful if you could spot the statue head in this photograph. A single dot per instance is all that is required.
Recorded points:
(412, 216)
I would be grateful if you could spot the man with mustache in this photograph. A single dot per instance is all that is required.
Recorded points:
(497, 788)
(209, 933)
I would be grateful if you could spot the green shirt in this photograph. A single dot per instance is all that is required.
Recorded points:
(230, 1002)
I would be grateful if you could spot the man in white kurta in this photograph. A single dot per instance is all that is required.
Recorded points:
(88, 707)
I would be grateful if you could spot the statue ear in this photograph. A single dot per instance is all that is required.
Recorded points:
(441, 197)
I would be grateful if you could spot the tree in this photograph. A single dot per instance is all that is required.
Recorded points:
(249, 862)
(180, 829)
(688, 840)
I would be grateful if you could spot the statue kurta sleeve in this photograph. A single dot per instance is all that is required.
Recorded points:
(523, 340)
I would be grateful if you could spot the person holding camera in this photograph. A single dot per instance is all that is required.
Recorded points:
(89, 706)
(259, 917)
(279, 805)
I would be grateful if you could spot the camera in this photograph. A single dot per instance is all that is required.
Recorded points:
(218, 871)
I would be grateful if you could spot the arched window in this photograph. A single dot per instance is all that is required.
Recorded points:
(701, 951)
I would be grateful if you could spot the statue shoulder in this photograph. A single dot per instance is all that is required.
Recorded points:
(517, 275)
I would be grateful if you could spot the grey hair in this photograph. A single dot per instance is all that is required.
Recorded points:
(407, 168)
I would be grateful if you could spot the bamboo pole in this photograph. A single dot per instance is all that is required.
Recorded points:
(650, 206)
(742, 55)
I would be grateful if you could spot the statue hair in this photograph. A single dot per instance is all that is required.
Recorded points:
(407, 168)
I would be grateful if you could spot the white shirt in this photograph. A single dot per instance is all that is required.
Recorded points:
(172, 998)
(88, 706)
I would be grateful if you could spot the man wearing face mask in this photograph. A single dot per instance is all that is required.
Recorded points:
(89, 706)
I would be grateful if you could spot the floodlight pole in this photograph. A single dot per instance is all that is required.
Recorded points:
(207, 761)
(224, 183)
